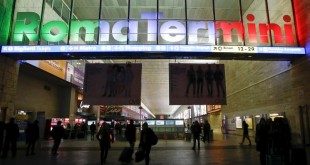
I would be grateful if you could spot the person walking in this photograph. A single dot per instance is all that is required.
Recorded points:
(58, 133)
(32, 135)
(130, 134)
(12, 134)
(261, 139)
(245, 127)
(146, 140)
(206, 131)
(104, 136)
(92, 131)
(2, 127)
(196, 131)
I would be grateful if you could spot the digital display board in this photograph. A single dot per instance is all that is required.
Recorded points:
(150, 48)
(160, 122)
(179, 122)
(169, 122)
(150, 122)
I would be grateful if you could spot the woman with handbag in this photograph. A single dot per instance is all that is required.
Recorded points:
(105, 137)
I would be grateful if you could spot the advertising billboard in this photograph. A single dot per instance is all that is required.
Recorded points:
(112, 84)
(198, 84)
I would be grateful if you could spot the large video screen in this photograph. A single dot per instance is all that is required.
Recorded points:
(199, 84)
(112, 84)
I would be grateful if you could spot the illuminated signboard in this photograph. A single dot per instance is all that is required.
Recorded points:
(151, 48)
(167, 31)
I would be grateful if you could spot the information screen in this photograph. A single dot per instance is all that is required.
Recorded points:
(150, 48)
(160, 122)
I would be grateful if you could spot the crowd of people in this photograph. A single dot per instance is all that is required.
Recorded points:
(271, 137)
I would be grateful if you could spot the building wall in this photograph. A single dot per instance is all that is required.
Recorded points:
(8, 80)
(264, 87)
(49, 94)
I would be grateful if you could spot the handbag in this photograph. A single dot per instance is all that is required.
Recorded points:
(139, 156)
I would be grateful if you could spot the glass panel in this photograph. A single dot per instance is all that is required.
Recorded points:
(282, 28)
(200, 10)
(114, 9)
(172, 9)
(254, 13)
(113, 32)
(201, 32)
(229, 33)
(22, 34)
(172, 32)
(86, 9)
(137, 7)
(55, 27)
(6, 13)
(227, 10)
(228, 25)
(146, 33)
(84, 31)
(57, 6)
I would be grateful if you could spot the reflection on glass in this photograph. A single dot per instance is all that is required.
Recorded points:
(86, 9)
(172, 32)
(114, 9)
(142, 6)
(199, 9)
(172, 9)
(253, 13)
(227, 10)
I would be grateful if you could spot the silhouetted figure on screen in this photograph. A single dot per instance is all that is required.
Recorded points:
(219, 78)
(2, 127)
(58, 133)
(108, 82)
(130, 134)
(199, 74)
(191, 80)
(209, 79)
(128, 80)
(245, 127)
(32, 135)
(12, 134)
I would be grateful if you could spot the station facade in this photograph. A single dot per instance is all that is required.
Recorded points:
(264, 45)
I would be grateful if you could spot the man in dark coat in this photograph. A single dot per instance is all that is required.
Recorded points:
(130, 134)
(196, 131)
(32, 135)
(2, 127)
(58, 133)
(146, 141)
(12, 134)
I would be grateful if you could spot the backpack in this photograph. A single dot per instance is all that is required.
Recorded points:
(153, 137)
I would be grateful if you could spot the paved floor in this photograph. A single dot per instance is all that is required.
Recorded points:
(223, 150)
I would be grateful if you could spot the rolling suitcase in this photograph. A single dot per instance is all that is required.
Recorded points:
(126, 155)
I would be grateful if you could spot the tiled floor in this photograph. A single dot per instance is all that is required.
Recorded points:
(224, 150)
